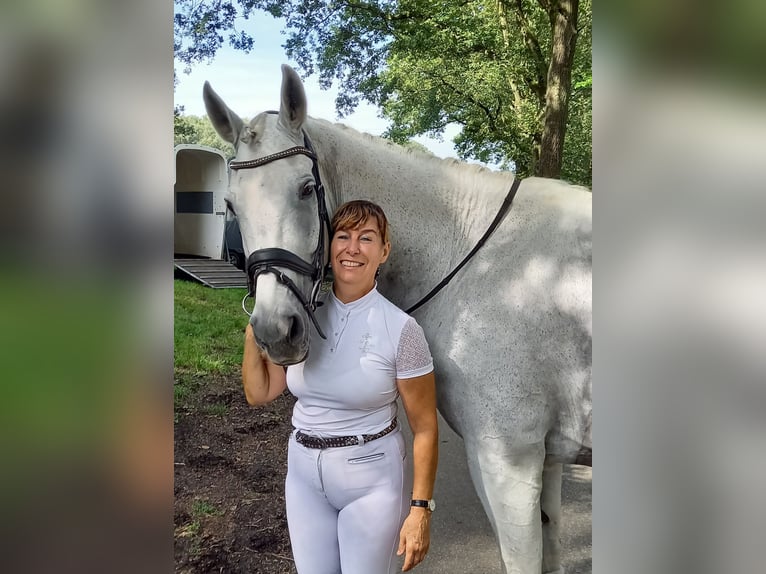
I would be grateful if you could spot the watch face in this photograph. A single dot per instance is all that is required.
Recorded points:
(432, 505)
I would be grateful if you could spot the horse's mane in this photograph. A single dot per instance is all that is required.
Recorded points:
(414, 153)
(464, 169)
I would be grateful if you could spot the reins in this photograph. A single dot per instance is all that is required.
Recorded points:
(506, 205)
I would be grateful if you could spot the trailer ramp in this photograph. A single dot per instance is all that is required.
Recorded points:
(214, 273)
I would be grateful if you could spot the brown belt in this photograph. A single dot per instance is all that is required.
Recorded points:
(338, 441)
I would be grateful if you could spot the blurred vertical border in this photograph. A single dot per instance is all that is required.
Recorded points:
(680, 286)
(86, 299)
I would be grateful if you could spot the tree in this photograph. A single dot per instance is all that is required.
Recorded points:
(198, 25)
(501, 69)
(199, 131)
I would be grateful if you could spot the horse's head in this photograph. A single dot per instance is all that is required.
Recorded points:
(275, 192)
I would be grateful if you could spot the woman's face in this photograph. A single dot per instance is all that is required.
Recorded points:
(357, 253)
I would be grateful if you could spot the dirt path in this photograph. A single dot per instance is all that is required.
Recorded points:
(230, 464)
(229, 494)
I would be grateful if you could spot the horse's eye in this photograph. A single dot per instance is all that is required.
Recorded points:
(307, 190)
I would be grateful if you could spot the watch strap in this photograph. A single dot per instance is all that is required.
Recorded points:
(423, 503)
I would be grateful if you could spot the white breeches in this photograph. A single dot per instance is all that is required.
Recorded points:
(346, 506)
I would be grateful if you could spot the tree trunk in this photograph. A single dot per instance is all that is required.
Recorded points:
(563, 16)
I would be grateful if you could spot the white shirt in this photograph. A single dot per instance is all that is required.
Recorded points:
(347, 385)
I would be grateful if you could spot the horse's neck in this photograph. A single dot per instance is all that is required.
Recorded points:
(438, 209)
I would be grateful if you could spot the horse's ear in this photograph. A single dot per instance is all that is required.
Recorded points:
(226, 123)
(292, 109)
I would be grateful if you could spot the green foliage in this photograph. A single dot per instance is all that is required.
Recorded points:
(198, 131)
(412, 144)
(481, 64)
(198, 27)
(452, 66)
(578, 145)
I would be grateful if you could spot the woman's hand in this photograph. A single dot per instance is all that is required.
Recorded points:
(415, 537)
(263, 380)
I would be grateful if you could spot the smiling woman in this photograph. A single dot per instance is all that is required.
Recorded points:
(371, 506)
(359, 246)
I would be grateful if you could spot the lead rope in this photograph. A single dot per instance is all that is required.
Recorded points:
(506, 205)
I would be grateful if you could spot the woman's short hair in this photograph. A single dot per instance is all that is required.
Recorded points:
(352, 214)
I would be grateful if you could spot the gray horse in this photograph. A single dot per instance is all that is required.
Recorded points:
(510, 334)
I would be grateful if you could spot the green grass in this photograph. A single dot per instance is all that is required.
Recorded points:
(209, 327)
(202, 508)
(215, 409)
(199, 510)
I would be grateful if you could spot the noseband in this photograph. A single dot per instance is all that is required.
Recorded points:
(274, 259)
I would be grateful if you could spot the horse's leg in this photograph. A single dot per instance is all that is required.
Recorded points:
(551, 517)
(508, 481)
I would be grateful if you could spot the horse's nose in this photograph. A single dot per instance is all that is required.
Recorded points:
(284, 338)
(287, 330)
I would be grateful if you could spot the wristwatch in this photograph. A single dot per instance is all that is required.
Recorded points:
(429, 504)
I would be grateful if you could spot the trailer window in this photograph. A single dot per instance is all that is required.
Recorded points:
(194, 202)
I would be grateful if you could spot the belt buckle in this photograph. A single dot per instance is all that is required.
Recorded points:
(322, 442)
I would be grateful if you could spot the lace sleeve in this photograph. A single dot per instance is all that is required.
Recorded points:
(413, 358)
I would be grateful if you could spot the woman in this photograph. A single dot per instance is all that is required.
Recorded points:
(348, 505)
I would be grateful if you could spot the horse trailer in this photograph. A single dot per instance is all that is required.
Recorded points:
(206, 240)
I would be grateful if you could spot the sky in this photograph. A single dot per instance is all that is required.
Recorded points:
(250, 83)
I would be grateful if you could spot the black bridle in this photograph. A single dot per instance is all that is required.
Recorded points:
(272, 259)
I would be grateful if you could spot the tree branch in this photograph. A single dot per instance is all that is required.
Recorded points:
(491, 118)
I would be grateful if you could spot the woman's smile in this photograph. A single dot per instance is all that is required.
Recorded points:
(347, 263)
